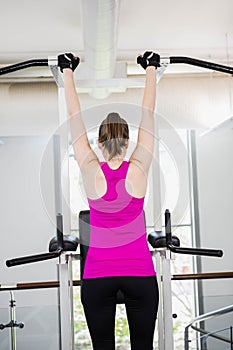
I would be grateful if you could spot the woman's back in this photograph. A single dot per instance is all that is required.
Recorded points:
(118, 245)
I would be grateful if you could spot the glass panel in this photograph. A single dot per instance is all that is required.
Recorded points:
(182, 263)
(182, 291)
(184, 309)
(40, 331)
(174, 175)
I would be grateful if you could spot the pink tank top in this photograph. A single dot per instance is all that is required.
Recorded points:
(118, 243)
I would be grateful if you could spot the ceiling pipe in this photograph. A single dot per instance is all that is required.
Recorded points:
(100, 21)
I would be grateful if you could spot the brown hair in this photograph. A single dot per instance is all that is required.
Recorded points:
(113, 134)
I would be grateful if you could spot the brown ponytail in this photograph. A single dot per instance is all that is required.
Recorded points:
(113, 134)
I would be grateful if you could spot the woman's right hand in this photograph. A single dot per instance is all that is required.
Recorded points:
(68, 60)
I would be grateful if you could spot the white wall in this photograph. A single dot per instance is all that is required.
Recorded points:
(192, 102)
(215, 174)
(186, 102)
(28, 117)
(26, 227)
(28, 109)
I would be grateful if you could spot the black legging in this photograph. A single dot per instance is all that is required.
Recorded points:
(98, 296)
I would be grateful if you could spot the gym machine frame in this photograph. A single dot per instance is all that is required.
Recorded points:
(62, 247)
(165, 245)
(163, 255)
(164, 62)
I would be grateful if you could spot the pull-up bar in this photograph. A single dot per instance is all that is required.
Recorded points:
(24, 65)
(164, 244)
(199, 63)
(164, 62)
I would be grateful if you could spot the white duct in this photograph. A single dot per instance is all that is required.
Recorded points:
(100, 19)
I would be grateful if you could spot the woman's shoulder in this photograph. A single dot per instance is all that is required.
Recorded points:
(94, 180)
(136, 180)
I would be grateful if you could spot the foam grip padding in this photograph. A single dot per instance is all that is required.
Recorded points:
(157, 239)
(70, 243)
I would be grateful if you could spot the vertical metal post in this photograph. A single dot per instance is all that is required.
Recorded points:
(160, 308)
(57, 173)
(167, 300)
(168, 227)
(64, 151)
(231, 336)
(61, 146)
(186, 338)
(12, 320)
(195, 223)
(71, 297)
(65, 310)
(157, 206)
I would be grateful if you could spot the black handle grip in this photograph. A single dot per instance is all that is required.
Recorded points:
(23, 65)
(60, 241)
(203, 64)
(33, 258)
(168, 229)
(196, 251)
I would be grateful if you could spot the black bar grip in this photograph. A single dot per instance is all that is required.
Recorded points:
(33, 258)
(196, 251)
(60, 241)
(203, 64)
(23, 65)
(168, 229)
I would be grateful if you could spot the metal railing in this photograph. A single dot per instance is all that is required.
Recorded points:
(204, 317)
(205, 335)
(214, 334)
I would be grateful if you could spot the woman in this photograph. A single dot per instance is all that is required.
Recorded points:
(118, 257)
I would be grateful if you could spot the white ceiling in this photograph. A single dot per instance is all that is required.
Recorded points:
(201, 29)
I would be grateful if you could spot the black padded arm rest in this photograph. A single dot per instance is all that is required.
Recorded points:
(70, 243)
(157, 239)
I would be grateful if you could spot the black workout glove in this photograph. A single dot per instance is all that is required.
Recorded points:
(68, 60)
(149, 58)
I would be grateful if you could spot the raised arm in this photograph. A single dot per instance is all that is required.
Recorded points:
(83, 152)
(143, 153)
